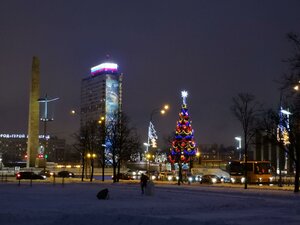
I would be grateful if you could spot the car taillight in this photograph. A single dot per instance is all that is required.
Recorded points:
(18, 175)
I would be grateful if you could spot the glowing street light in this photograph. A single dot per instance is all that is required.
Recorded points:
(296, 87)
(102, 118)
(198, 155)
(149, 156)
(239, 139)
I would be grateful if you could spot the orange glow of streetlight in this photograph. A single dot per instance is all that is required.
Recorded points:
(102, 118)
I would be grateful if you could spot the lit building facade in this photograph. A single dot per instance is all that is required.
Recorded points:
(13, 148)
(101, 94)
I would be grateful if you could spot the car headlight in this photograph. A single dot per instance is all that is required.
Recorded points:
(243, 179)
(133, 173)
(170, 178)
(214, 180)
(232, 180)
(190, 179)
(153, 177)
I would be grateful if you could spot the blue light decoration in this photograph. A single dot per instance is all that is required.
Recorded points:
(183, 145)
(283, 126)
(111, 106)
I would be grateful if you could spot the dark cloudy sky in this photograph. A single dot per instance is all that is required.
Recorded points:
(212, 49)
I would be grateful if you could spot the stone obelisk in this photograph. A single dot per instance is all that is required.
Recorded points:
(34, 113)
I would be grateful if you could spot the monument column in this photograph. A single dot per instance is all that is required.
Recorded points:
(34, 113)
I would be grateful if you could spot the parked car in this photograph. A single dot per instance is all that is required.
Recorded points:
(123, 176)
(46, 173)
(65, 173)
(29, 176)
(210, 179)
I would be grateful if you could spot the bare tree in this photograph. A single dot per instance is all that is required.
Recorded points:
(123, 141)
(246, 110)
(89, 144)
(290, 86)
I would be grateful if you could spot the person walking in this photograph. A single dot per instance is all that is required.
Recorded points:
(144, 180)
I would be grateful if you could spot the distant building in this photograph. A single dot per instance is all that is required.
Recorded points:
(265, 150)
(101, 94)
(218, 152)
(14, 148)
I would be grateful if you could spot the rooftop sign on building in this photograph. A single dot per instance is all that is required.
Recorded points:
(104, 68)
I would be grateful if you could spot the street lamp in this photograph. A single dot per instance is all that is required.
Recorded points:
(92, 157)
(296, 87)
(149, 156)
(239, 139)
(151, 132)
(45, 119)
(198, 155)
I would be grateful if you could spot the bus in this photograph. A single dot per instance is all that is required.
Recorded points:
(258, 172)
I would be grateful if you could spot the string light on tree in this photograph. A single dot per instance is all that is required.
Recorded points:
(183, 145)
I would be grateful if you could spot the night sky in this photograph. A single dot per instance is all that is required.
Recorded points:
(212, 49)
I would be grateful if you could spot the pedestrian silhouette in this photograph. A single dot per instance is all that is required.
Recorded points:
(144, 180)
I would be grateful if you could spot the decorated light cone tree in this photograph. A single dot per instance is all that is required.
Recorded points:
(183, 147)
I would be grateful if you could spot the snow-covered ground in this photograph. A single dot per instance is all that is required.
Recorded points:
(76, 203)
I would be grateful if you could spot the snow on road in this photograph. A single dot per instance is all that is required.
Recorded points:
(76, 204)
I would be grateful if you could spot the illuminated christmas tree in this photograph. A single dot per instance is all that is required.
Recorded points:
(183, 145)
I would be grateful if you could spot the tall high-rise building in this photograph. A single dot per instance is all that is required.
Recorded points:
(101, 94)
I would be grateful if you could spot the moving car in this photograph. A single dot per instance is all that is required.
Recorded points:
(123, 176)
(210, 179)
(29, 176)
(169, 176)
(65, 173)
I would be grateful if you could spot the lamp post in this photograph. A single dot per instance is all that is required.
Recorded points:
(239, 139)
(101, 122)
(45, 119)
(198, 155)
(149, 157)
(92, 157)
(151, 127)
